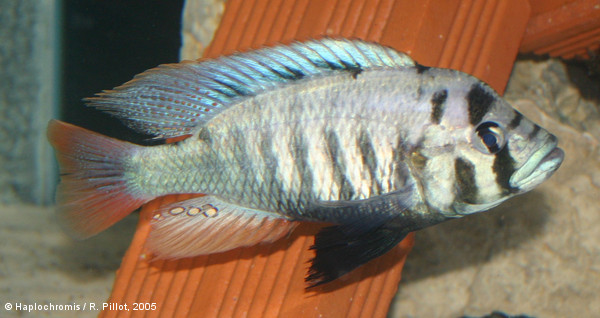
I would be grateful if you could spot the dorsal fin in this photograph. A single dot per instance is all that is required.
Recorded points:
(172, 99)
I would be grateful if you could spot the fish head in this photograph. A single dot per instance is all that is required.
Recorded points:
(505, 154)
(496, 152)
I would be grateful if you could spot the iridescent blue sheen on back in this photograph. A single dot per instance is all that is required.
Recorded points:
(173, 99)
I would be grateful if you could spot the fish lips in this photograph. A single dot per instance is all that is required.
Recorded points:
(540, 166)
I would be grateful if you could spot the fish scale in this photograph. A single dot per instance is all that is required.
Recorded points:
(346, 132)
(364, 179)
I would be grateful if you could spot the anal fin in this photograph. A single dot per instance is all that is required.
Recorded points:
(207, 225)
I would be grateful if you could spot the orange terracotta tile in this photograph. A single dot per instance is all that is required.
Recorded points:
(268, 280)
(565, 28)
(542, 6)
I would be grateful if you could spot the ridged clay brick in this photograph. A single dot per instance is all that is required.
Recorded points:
(478, 37)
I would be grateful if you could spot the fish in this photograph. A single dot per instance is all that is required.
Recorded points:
(348, 133)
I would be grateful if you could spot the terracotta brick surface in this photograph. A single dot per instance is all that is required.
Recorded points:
(566, 29)
(479, 37)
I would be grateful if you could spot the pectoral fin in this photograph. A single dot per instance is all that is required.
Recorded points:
(207, 225)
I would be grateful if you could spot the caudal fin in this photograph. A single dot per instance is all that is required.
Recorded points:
(93, 193)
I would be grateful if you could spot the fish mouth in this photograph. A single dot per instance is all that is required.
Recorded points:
(540, 166)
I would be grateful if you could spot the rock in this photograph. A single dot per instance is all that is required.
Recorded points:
(29, 50)
(42, 265)
(200, 21)
(564, 93)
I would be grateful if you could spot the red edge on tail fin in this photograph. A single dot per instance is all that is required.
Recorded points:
(93, 193)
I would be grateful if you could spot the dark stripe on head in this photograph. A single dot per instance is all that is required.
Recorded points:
(465, 177)
(346, 191)
(369, 160)
(515, 122)
(479, 100)
(438, 101)
(421, 68)
(504, 167)
(534, 132)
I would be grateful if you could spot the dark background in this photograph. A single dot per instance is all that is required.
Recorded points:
(106, 43)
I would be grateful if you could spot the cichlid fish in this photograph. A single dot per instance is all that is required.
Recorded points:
(338, 131)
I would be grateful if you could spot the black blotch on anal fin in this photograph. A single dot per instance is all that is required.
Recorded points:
(343, 248)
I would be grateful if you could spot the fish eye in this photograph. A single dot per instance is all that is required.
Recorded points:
(490, 137)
